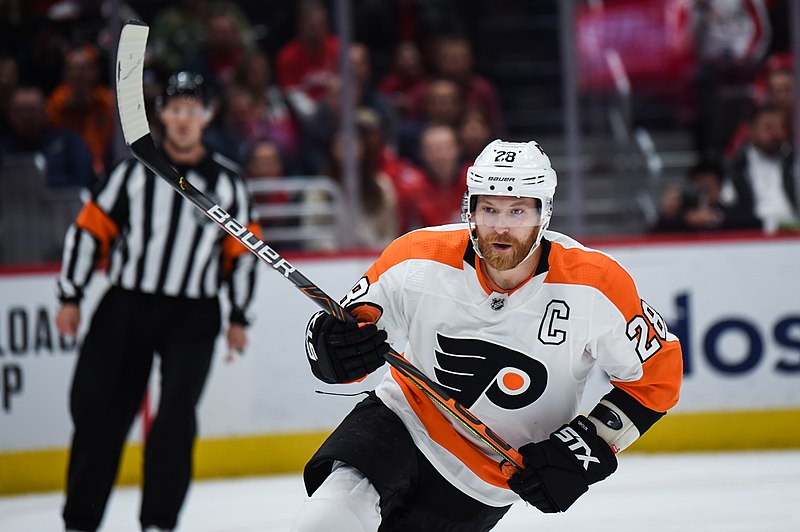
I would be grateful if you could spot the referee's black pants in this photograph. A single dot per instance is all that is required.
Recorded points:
(107, 390)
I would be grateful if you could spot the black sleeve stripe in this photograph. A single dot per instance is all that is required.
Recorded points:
(640, 415)
(73, 237)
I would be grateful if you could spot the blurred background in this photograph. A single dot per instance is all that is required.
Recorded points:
(671, 125)
(366, 113)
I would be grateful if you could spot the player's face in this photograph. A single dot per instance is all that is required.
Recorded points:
(507, 229)
(184, 120)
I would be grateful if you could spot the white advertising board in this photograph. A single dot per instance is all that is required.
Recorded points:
(735, 306)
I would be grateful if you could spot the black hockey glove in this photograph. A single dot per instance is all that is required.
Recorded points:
(561, 468)
(343, 352)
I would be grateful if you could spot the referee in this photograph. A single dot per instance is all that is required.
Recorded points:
(166, 266)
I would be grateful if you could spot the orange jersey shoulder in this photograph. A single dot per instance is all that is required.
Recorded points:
(443, 244)
(587, 267)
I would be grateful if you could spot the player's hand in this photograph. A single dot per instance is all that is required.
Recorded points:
(237, 341)
(68, 319)
(561, 468)
(343, 352)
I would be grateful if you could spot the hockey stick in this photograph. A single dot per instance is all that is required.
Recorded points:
(135, 129)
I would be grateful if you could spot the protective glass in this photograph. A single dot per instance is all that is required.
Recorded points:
(518, 215)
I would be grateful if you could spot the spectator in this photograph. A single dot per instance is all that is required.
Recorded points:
(444, 103)
(67, 159)
(306, 63)
(179, 31)
(474, 132)
(367, 95)
(442, 163)
(235, 125)
(264, 162)
(324, 121)
(443, 106)
(760, 178)
(81, 103)
(696, 206)
(409, 181)
(453, 61)
(270, 116)
(318, 129)
(778, 91)
(405, 78)
(9, 78)
(377, 216)
(227, 39)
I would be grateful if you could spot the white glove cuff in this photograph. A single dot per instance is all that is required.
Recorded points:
(613, 425)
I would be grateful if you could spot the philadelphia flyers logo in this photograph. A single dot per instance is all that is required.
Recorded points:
(472, 368)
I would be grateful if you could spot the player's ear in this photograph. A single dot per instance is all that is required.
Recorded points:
(209, 111)
(159, 109)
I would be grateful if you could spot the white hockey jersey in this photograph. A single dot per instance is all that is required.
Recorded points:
(518, 360)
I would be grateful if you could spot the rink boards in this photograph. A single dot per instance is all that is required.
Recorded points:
(734, 302)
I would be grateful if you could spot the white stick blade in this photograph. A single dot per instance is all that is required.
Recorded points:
(129, 73)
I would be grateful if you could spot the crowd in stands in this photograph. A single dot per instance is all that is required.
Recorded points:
(751, 185)
(423, 109)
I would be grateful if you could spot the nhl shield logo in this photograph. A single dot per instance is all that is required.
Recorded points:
(498, 303)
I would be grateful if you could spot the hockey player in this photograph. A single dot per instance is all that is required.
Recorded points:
(511, 318)
(166, 268)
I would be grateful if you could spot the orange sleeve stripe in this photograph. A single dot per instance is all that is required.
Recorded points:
(440, 431)
(93, 219)
(232, 248)
(659, 387)
(446, 247)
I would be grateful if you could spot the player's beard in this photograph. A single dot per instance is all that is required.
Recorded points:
(503, 260)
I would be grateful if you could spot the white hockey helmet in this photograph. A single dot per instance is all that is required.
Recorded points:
(517, 169)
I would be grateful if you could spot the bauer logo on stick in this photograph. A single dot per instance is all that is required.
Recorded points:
(246, 237)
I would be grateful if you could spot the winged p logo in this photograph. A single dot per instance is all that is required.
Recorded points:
(472, 368)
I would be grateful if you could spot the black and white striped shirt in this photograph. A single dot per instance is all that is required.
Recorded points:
(159, 242)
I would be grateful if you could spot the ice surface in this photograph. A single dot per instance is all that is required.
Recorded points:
(725, 492)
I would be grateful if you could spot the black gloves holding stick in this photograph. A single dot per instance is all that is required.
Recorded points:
(561, 469)
(343, 352)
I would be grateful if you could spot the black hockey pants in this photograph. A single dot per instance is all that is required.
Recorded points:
(107, 389)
